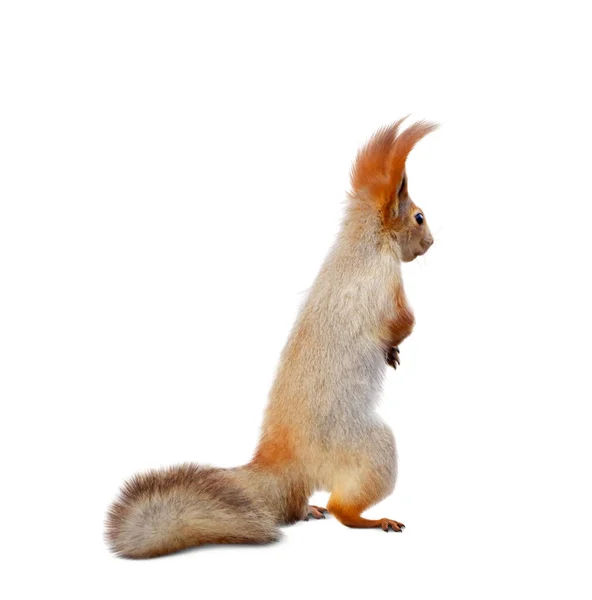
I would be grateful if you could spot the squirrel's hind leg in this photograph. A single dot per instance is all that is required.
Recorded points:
(351, 515)
(359, 486)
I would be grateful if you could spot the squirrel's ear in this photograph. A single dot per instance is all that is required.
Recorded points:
(400, 149)
(371, 164)
(394, 206)
(378, 171)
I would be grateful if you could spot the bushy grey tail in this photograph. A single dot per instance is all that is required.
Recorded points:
(167, 510)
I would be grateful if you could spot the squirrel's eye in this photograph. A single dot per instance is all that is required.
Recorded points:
(419, 218)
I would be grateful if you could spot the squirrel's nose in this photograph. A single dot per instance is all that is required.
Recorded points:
(426, 243)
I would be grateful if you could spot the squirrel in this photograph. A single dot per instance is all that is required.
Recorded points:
(320, 429)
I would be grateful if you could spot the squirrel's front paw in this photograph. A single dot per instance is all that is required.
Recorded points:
(392, 357)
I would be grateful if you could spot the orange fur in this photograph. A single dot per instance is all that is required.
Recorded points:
(350, 513)
(372, 160)
(276, 447)
(379, 166)
(402, 326)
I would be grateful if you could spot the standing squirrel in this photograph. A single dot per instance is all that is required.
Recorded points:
(320, 430)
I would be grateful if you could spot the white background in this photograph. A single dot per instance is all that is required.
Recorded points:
(172, 175)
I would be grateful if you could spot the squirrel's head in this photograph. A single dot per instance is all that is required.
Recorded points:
(409, 225)
(379, 183)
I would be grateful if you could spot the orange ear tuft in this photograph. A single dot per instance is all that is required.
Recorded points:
(380, 164)
(403, 146)
(372, 160)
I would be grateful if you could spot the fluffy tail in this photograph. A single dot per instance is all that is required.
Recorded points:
(164, 511)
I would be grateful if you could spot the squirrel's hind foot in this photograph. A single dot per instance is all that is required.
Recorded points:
(387, 524)
(316, 512)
